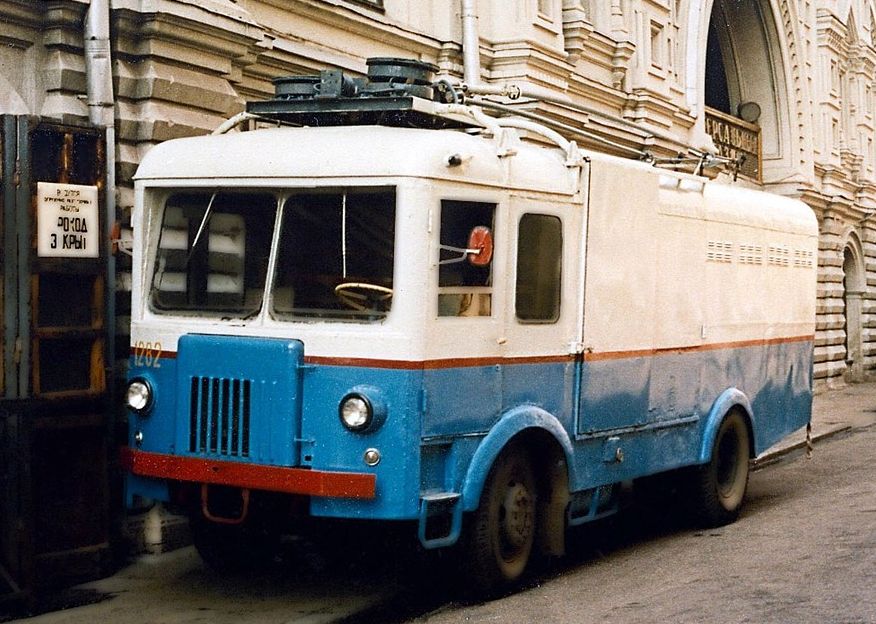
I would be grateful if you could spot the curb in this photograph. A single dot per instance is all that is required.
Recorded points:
(771, 456)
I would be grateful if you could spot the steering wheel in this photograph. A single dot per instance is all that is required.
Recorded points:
(362, 295)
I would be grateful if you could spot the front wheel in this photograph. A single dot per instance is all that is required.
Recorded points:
(234, 548)
(503, 528)
(718, 487)
(227, 545)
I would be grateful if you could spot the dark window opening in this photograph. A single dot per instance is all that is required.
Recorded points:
(336, 255)
(213, 253)
(717, 93)
(68, 157)
(539, 268)
(464, 287)
(67, 300)
(66, 362)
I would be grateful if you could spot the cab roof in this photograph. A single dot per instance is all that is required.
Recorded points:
(355, 151)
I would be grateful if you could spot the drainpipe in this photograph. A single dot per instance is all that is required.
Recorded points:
(98, 68)
(101, 114)
(471, 43)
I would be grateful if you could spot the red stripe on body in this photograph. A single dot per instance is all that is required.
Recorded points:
(717, 346)
(462, 362)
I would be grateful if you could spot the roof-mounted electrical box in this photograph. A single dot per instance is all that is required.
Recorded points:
(396, 92)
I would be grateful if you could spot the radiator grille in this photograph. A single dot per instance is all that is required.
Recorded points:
(220, 416)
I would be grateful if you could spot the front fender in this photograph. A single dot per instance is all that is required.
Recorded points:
(730, 398)
(512, 423)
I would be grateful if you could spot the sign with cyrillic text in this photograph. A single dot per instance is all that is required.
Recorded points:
(67, 221)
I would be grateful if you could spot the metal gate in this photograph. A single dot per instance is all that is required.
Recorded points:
(54, 417)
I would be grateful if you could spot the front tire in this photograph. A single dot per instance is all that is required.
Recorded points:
(718, 487)
(245, 546)
(503, 528)
(233, 549)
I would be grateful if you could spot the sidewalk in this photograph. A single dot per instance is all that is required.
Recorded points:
(833, 412)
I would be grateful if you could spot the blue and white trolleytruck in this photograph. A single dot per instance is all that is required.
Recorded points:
(392, 308)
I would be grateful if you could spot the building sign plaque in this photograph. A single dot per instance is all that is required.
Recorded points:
(68, 225)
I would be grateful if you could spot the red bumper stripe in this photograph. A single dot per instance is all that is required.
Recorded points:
(255, 477)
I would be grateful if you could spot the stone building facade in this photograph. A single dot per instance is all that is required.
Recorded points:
(657, 75)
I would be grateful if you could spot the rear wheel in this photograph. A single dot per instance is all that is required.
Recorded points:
(719, 486)
(503, 527)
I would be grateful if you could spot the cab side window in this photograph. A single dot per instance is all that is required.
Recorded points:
(539, 268)
(465, 274)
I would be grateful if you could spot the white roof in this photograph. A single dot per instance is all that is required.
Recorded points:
(354, 151)
(278, 155)
(719, 201)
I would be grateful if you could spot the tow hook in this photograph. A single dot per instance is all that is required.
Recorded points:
(205, 507)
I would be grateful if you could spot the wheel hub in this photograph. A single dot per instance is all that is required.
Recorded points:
(519, 515)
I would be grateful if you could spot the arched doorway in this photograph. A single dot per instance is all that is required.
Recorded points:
(744, 82)
(853, 291)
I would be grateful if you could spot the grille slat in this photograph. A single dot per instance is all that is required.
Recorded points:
(245, 406)
(194, 414)
(235, 419)
(224, 429)
(203, 414)
(219, 416)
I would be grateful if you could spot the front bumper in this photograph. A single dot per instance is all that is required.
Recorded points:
(250, 476)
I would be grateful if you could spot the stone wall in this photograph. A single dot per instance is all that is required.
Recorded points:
(181, 67)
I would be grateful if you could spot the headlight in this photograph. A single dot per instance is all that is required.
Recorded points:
(363, 409)
(356, 412)
(139, 396)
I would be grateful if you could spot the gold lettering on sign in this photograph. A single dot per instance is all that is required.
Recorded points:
(736, 139)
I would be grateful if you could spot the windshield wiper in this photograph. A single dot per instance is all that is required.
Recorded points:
(245, 317)
(204, 221)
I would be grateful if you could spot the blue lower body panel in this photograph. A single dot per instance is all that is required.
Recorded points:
(619, 417)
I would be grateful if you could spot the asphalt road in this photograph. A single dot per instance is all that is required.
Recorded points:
(804, 551)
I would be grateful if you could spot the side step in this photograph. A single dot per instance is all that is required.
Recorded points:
(440, 519)
(593, 504)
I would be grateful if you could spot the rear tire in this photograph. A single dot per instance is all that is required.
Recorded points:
(503, 530)
(718, 487)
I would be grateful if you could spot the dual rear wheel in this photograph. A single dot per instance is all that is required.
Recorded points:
(502, 533)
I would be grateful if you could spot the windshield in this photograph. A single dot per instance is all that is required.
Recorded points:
(213, 253)
(334, 259)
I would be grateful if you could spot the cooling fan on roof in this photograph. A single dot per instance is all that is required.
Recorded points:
(396, 92)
